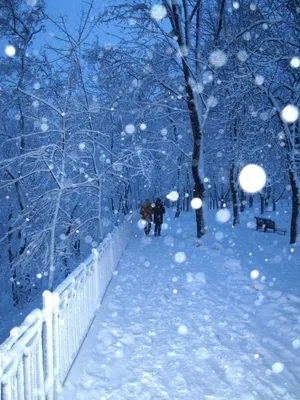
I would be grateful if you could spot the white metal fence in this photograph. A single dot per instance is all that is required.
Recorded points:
(37, 356)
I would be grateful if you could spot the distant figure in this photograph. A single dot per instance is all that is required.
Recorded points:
(146, 213)
(159, 211)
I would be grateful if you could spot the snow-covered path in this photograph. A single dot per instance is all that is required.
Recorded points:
(200, 329)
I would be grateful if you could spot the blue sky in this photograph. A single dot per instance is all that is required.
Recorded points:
(71, 9)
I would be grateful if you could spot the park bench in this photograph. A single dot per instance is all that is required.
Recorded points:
(267, 223)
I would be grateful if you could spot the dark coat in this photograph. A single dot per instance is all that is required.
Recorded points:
(146, 211)
(159, 211)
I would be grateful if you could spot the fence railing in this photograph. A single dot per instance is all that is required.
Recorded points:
(37, 356)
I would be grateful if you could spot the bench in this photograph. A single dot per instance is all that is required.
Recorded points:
(267, 223)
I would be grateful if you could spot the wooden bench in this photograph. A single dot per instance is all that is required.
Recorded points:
(267, 223)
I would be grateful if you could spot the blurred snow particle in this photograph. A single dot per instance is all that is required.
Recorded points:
(296, 344)
(132, 22)
(88, 239)
(135, 83)
(31, 3)
(118, 166)
(256, 356)
(143, 126)
(141, 223)
(44, 127)
(247, 36)
(182, 51)
(173, 196)
(207, 77)
(242, 56)
(182, 330)
(218, 58)
(37, 86)
(81, 146)
(198, 87)
(253, 7)
(39, 275)
(10, 50)
(219, 235)
(180, 257)
(251, 224)
(232, 264)
(158, 12)
(290, 114)
(200, 277)
(130, 128)
(259, 80)
(119, 353)
(223, 215)
(254, 274)
(164, 132)
(295, 62)
(196, 203)
(277, 367)
(212, 102)
(189, 277)
(35, 103)
(236, 5)
(252, 178)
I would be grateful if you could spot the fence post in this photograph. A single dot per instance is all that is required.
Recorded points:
(48, 343)
(96, 277)
(55, 332)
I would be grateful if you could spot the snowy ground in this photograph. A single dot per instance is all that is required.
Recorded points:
(201, 329)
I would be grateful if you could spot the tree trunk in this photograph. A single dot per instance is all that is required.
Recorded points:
(295, 207)
(262, 203)
(194, 113)
(250, 201)
(234, 193)
(274, 204)
(243, 201)
(199, 189)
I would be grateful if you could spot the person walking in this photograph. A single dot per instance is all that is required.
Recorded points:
(158, 211)
(146, 212)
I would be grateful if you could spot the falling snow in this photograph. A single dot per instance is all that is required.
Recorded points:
(290, 114)
(173, 195)
(252, 178)
(158, 12)
(223, 215)
(10, 51)
(180, 257)
(196, 203)
(295, 62)
(218, 58)
(130, 129)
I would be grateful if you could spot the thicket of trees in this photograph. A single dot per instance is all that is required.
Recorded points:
(192, 92)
